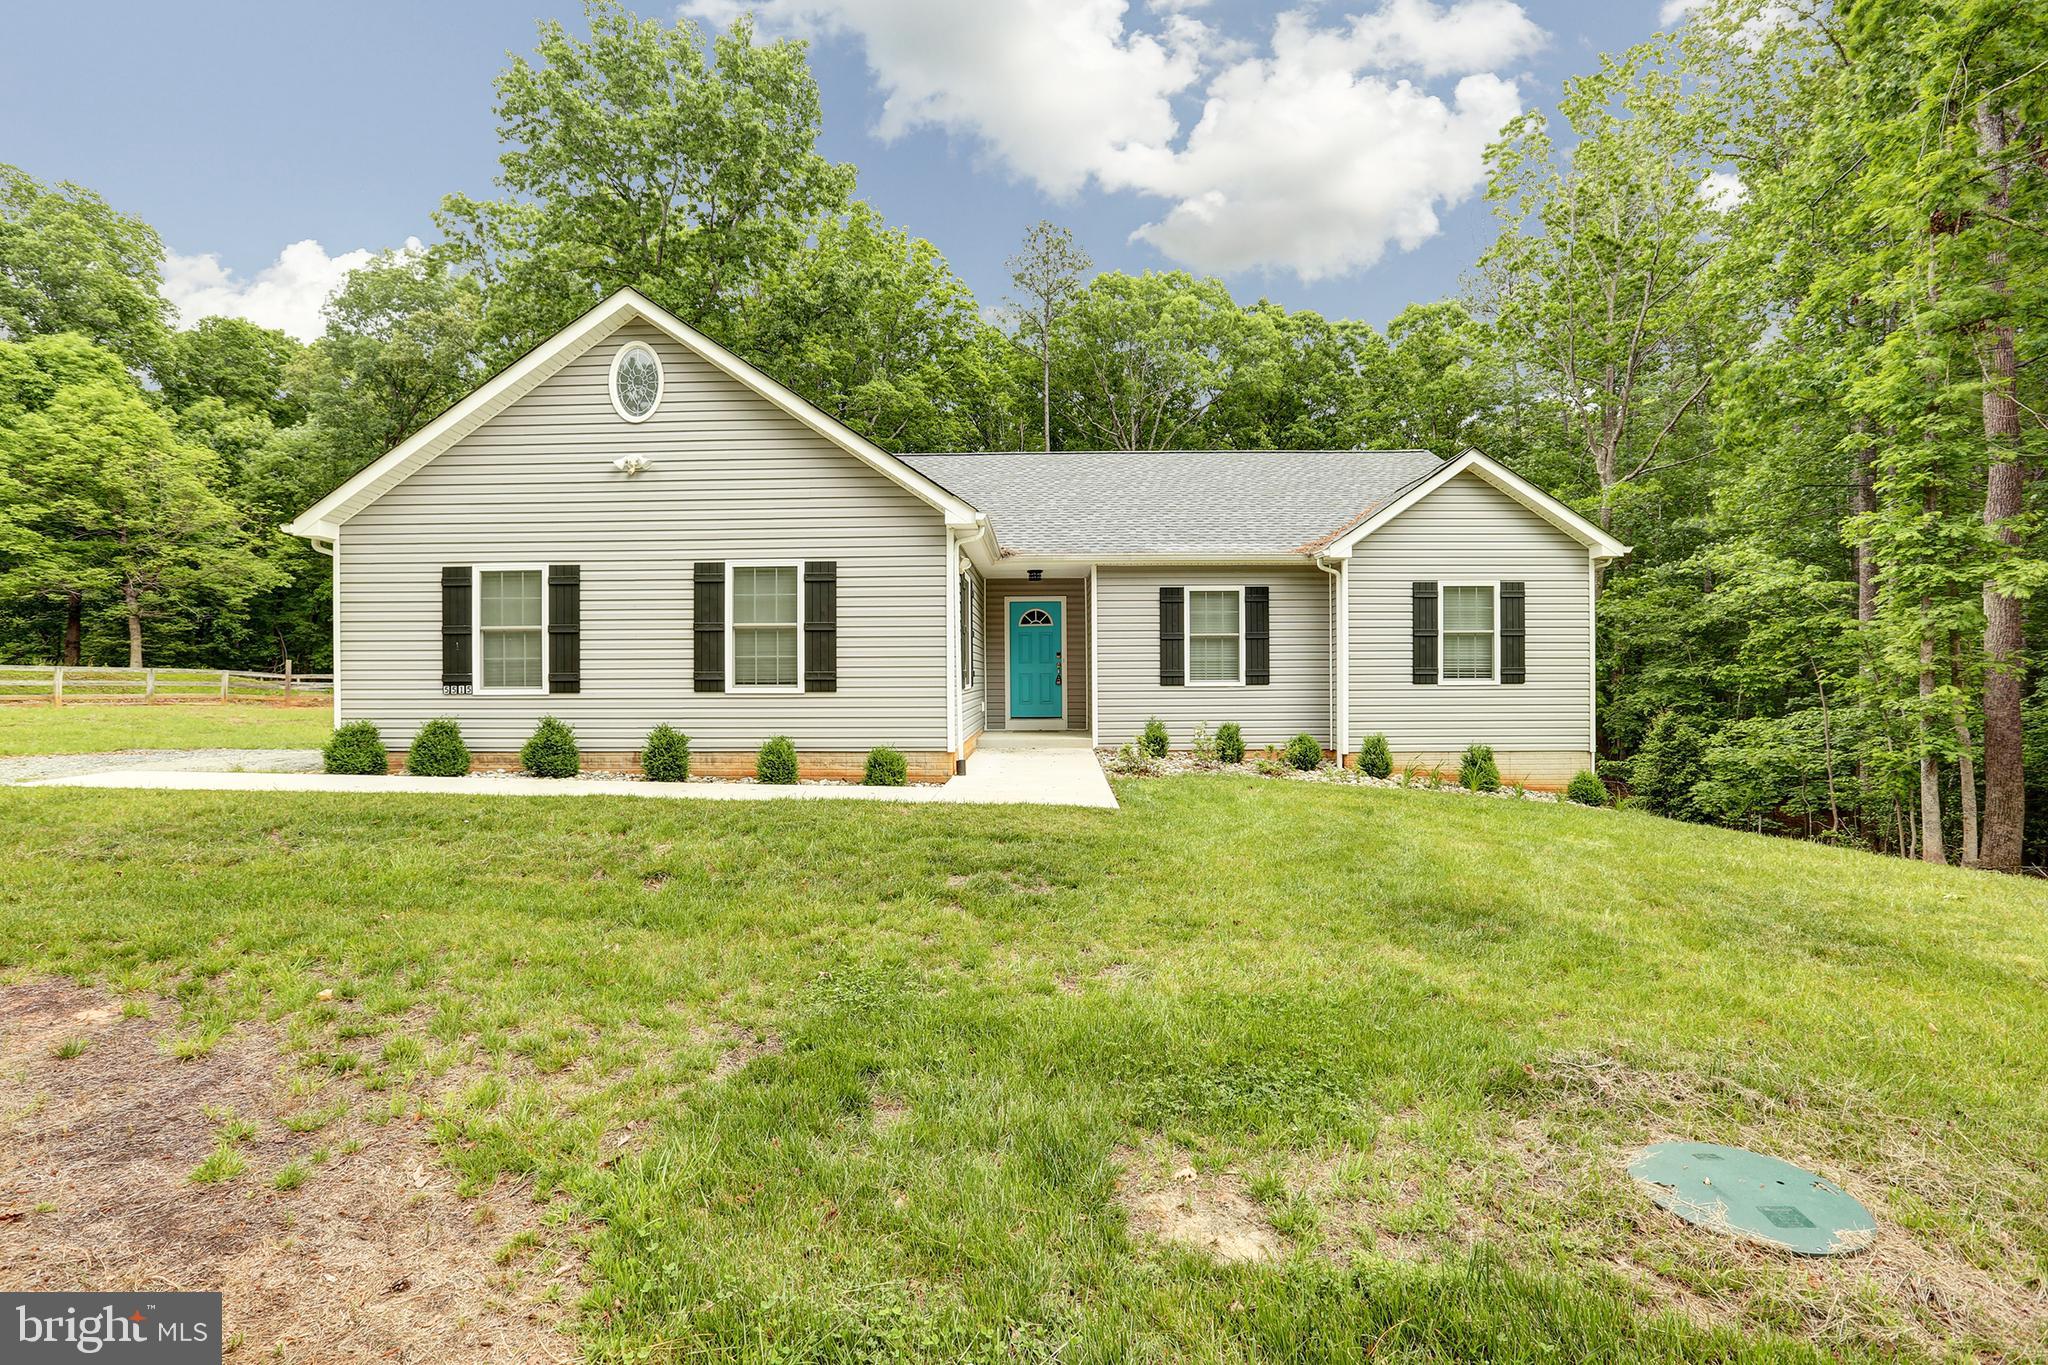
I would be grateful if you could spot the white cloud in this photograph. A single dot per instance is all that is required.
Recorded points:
(1313, 156)
(1675, 10)
(286, 294)
(1723, 189)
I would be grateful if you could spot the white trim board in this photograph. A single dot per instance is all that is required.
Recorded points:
(324, 518)
(1601, 545)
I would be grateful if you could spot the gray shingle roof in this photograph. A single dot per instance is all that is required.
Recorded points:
(1201, 502)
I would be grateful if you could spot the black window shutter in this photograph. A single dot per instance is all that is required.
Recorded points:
(455, 622)
(966, 629)
(821, 626)
(1258, 636)
(1173, 644)
(1423, 618)
(1514, 639)
(710, 625)
(565, 628)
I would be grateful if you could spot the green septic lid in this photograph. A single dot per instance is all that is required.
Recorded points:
(1748, 1194)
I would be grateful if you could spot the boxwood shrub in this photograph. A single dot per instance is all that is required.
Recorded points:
(1152, 741)
(1229, 743)
(1587, 790)
(1477, 771)
(552, 750)
(355, 748)
(775, 764)
(1375, 759)
(886, 768)
(666, 755)
(1304, 752)
(438, 751)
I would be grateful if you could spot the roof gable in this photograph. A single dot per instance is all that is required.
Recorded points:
(1601, 545)
(324, 519)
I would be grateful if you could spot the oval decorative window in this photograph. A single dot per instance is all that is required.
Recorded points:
(636, 381)
(1037, 616)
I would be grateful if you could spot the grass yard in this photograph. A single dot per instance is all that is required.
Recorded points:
(1248, 1070)
(98, 727)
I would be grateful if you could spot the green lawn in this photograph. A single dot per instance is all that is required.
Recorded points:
(88, 727)
(1419, 1031)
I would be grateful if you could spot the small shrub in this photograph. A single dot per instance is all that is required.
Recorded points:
(886, 768)
(1204, 745)
(1265, 765)
(1477, 772)
(438, 751)
(775, 764)
(665, 757)
(355, 748)
(1408, 776)
(1517, 790)
(1304, 752)
(1229, 743)
(1153, 741)
(1587, 790)
(1129, 760)
(1434, 780)
(552, 750)
(1375, 759)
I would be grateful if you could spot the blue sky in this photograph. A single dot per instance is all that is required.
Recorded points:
(1323, 156)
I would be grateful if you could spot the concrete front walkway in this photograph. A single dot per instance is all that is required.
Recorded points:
(1037, 770)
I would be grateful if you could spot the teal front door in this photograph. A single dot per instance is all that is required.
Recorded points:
(1037, 679)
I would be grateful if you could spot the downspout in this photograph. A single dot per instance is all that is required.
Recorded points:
(1337, 660)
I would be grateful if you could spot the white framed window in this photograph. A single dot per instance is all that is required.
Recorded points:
(970, 613)
(764, 634)
(510, 645)
(636, 381)
(1468, 632)
(1215, 637)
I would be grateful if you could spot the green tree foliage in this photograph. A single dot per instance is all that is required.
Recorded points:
(109, 512)
(637, 158)
(234, 362)
(70, 262)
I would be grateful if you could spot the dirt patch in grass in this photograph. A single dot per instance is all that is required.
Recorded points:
(738, 1048)
(343, 1243)
(1165, 1199)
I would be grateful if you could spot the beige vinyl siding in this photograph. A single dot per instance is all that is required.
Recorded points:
(732, 478)
(1128, 690)
(996, 632)
(1470, 531)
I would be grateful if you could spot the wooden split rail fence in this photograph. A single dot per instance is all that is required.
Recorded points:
(60, 683)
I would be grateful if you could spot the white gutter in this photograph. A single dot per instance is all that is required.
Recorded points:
(1340, 659)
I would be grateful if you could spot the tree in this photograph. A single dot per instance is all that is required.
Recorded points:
(108, 502)
(233, 360)
(69, 262)
(1600, 269)
(633, 159)
(1047, 272)
(872, 326)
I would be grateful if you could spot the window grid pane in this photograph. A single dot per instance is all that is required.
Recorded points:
(1212, 613)
(512, 658)
(1468, 608)
(764, 596)
(511, 599)
(764, 656)
(1468, 658)
(1213, 658)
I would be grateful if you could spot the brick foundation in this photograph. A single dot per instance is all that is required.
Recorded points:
(925, 765)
